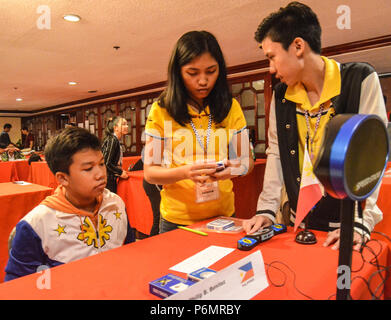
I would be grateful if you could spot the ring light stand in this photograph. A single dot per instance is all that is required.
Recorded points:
(350, 165)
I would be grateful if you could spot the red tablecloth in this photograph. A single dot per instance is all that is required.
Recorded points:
(16, 201)
(23, 169)
(384, 204)
(124, 273)
(246, 189)
(138, 206)
(41, 174)
(8, 172)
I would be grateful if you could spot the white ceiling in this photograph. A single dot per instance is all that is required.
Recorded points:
(37, 64)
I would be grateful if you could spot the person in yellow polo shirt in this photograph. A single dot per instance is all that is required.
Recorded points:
(195, 125)
(313, 89)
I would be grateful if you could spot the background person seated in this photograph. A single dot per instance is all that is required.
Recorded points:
(11, 154)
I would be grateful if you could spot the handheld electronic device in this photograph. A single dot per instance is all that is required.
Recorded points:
(247, 243)
(278, 228)
(251, 240)
(220, 166)
(263, 234)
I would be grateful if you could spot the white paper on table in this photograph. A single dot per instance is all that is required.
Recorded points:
(241, 280)
(21, 182)
(204, 258)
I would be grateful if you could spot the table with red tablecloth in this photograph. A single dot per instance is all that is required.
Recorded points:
(41, 174)
(15, 202)
(294, 271)
(18, 170)
(246, 190)
(8, 171)
(22, 168)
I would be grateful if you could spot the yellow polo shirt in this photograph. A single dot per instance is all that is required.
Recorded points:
(178, 200)
(298, 94)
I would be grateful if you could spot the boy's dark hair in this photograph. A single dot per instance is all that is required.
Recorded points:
(295, 20)
(175, 97)
(25, 129)
(7, 126)
(60, 149)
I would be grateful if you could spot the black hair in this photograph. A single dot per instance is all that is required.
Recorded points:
(34, 157)
(175, 97)
(7, 126)
(25, 128)
(59, 150)
(295, 20)
(111, 123)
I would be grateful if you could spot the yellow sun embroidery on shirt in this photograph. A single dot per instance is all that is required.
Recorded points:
(90, 236)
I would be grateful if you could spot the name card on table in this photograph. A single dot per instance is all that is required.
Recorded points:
(241, 280)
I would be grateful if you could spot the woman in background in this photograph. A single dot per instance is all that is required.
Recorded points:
(112, 152)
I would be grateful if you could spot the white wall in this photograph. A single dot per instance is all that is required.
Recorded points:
(15, 133)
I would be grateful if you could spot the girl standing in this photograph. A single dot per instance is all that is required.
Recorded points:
(194, 124)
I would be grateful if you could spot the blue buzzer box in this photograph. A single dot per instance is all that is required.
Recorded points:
(201, 274)
(220, 224)
(168, 285)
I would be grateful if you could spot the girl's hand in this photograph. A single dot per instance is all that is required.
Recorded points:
(199, 172)
(233, 168)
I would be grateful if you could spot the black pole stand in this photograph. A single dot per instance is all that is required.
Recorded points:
(345, 248)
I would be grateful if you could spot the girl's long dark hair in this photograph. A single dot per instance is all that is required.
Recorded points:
(175, 97)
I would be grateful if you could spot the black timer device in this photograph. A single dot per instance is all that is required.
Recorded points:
(247, 243)
(262, 234)
(278, 228)
(253, 239)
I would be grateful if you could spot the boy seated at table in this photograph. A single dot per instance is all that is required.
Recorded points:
(80, 219)
(11, 153)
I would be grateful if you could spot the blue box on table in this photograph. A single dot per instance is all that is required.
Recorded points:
(168, 285)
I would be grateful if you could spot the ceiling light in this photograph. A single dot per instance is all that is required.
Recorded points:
(19, 99)
(72, 83)
(71, 18)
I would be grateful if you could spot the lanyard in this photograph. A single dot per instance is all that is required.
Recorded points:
(200, 142)
(308, 138)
